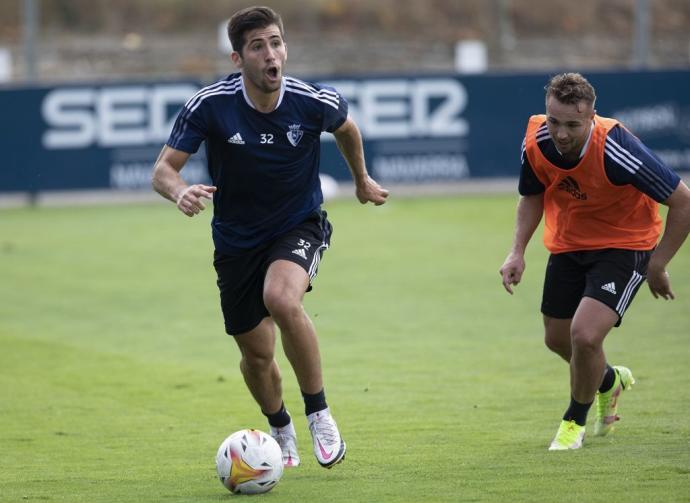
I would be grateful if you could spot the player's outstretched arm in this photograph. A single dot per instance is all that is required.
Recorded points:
(349, 141)
(675, 233)
(529, 213)
(168, 183)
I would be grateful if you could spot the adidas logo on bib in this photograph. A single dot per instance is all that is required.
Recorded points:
(300, 252)
(609, 287)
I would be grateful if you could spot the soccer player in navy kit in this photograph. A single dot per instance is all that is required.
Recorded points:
(599, 188)
(262, 132)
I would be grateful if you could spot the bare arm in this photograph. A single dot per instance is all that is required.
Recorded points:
(675, 233)
(168, 183)
(529, 212)
(349, 141)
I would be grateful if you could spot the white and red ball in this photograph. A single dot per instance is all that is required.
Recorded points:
(249, 462)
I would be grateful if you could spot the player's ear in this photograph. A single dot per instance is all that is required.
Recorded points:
(236, 59)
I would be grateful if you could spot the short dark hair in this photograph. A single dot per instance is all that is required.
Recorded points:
(570, 89)
(249, 19)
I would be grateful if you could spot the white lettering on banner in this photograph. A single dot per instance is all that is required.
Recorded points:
(410, 168)
(112, 116)
(137, 175)
(384, 110)
(662, 117)
(406, 108)
(68, 111)
(444, 120)
(161, 114)
(130, 116)
(122, 116)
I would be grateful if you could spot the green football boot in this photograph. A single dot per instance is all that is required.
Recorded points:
(607, 403)
(570, 435)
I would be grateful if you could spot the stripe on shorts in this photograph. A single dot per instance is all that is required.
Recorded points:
(624, 301)
(314, 267)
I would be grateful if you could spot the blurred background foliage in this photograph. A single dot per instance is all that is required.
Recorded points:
(86, 39)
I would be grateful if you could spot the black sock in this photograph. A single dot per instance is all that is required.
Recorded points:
(278, 419)
(577, 412)
(314, 403)
(609, 379)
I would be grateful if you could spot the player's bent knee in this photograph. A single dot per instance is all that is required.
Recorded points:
(256, 354)
(586, 339)
(555, 344)
(280, 305)
(556, 334)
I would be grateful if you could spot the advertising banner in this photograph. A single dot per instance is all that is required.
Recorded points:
(416, 129)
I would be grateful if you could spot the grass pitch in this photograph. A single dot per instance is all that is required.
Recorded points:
(117, 382)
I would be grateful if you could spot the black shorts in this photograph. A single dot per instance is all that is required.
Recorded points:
(241, 277)
(611, 276)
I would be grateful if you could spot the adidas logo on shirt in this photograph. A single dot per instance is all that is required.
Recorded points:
(236, 139)
(300, 252)
(609, 287)
(570, 185)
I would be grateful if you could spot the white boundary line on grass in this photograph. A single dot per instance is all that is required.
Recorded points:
(479, 186)
(345, 190)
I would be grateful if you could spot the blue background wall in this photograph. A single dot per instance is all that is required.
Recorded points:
(416, 129)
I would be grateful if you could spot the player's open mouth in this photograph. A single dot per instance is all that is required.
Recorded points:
(272, 72)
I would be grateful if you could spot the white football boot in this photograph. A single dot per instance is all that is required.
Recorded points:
(329, 448)
(287, 440)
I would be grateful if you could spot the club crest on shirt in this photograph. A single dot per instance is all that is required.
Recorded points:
(294, 134)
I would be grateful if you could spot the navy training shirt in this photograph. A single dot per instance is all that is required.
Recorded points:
(626, 161)
(265, 165)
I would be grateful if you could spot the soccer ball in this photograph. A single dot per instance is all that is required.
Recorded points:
(249, 462)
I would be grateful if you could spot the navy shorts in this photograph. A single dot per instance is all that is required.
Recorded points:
(241, 277)
(611, 276)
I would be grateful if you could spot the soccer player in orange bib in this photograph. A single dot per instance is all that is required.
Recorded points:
(599, 188)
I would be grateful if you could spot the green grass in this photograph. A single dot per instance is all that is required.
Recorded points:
(117, 382)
